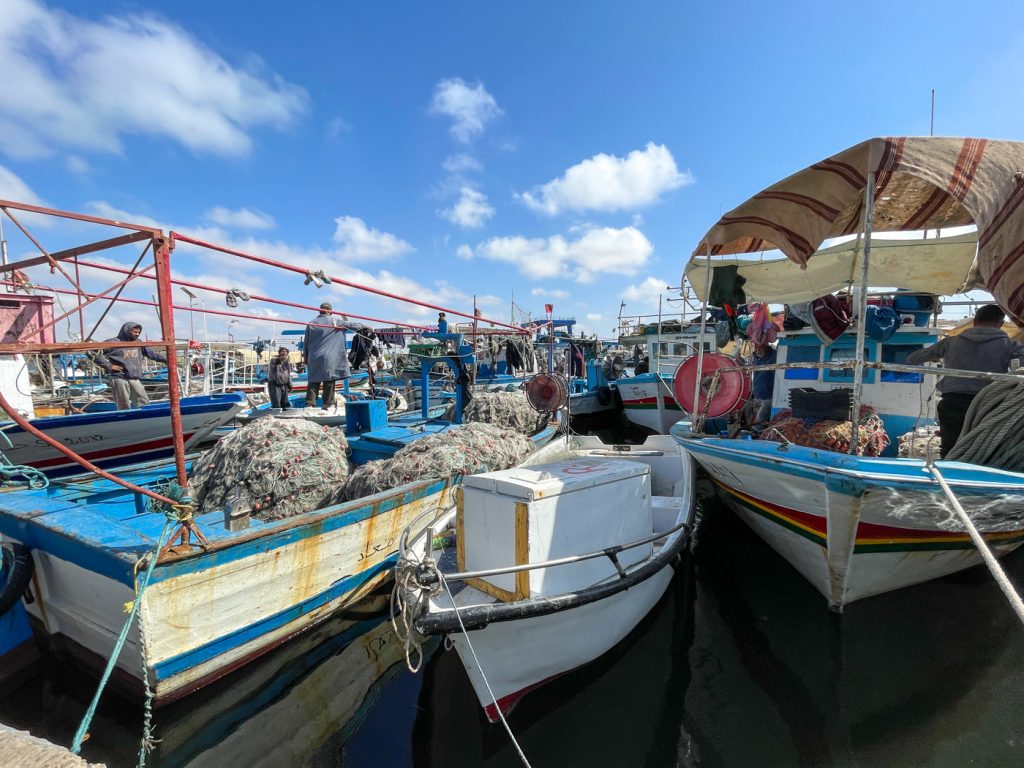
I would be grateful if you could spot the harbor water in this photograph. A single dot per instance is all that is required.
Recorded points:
(740, 664)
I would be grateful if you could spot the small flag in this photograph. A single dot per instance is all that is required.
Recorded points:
(549, 308)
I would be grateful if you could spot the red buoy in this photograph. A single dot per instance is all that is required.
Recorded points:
(731, 392)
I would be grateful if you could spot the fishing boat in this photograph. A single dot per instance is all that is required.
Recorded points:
(555, 561)
(212, 589)
(866, 521)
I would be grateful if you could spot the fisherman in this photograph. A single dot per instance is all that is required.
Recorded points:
(124, 364)
(764, 381)
(442, 323)
(983, 347)
(325, 354)
(279, 379)
(579, 367)
(364, 350)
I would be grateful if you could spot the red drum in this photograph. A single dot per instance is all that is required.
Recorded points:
(547, 392)
(732, 391)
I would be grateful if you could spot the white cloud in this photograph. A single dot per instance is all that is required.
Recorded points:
(595, 317)
(74, 82)
(461, 163)
(336, 127)
(471, 211)
(77, 165)
(597, 250)
(470, 107)
(358, 242)
(13, 188)
(645, 294)
(553, 293)
(464, 252)
(242, 218)
(609, 183)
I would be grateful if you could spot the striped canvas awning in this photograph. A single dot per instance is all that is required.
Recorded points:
(938, 265)
(920, 183)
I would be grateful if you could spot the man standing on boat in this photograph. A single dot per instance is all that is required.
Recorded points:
(279, 379)
(325, 353)
(983, 347)
(124, 364)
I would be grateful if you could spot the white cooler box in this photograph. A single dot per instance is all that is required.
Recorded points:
(549, 511)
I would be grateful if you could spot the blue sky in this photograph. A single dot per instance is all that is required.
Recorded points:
(564, 152)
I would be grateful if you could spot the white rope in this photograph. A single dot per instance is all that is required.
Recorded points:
(497, 707)
(979, 542)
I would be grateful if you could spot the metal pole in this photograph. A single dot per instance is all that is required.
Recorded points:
(162, 257)
(862, 309)
(702, 319)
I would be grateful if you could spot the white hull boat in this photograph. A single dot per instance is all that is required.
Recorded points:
(558, 561)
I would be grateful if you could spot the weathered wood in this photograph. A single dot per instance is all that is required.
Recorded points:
(20, 749)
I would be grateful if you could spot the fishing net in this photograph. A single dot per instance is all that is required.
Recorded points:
(463, 450)
(508, 410)
(276, 468)
(921, 443)
(829, 435)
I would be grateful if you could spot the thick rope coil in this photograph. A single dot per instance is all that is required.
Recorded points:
(993, 433)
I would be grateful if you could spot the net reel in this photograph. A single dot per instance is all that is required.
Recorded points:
(547, 392)
(724, 385)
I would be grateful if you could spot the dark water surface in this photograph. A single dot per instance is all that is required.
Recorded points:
(740, 665)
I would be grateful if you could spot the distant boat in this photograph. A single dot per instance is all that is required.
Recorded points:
(112, 438)
(600, 529)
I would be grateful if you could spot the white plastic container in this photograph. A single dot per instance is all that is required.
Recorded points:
(532, 514)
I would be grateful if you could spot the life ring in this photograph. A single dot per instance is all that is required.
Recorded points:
(16, 569)
(731, 390)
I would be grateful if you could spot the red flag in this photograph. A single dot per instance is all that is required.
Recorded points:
(549, 308)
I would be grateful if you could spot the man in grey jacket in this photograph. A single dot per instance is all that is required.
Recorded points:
(325, 353)
(983, 347)
(124, 364)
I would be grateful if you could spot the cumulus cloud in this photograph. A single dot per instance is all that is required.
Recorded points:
(646, 293)
(12, 187)
(470, 211)
(461, 163)
(241, 218)
(78, 83)
(596, 250)
(595, 317)
(549, 293)
(470, 107)
(358, 242)
(609, 183)
(464, 252)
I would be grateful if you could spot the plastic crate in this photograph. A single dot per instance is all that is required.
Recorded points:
(833, 404)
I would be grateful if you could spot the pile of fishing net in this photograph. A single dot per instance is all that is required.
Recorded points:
(829, 435)
(921, 443)
(508, 410)
(993, 433)
(276, 468)
(463, 450)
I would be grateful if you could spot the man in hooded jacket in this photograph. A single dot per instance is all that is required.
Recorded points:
(124, 364)
(983, 347)
(324, 350)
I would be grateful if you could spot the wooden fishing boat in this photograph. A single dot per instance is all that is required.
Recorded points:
(556, 561)
(860, 525)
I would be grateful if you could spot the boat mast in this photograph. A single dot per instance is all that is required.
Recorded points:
(862, 308)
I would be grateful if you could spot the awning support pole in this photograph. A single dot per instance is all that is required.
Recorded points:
(702, 319)
(862, 310)
(162, 259)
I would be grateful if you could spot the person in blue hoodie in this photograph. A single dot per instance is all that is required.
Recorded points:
(763, 381)
(124, 364)
(982, 347)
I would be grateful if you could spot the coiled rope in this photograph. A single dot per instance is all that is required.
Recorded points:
(993, 433)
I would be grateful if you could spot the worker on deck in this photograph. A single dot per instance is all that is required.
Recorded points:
(763, 381)
(982, 347)
(279, 379)
(325, 353)
(124, 364)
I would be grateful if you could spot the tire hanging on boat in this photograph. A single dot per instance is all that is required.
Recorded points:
(16, 569)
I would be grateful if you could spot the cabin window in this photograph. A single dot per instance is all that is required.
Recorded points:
(897, 353)
(804, 353)
(843, 354)
(682, 350)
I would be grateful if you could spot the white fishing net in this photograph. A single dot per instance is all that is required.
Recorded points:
(276, 468)
(459, 451)
(508, 410)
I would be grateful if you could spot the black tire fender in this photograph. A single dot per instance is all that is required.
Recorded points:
(15, 573)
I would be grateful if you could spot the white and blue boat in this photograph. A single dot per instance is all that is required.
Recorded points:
(860, 525)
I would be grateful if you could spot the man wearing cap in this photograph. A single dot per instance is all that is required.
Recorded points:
(124, 364)
(325, 353)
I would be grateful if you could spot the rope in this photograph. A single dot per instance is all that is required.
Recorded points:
(993, 433)
(476, 660)
(979, 542)
(83, 728)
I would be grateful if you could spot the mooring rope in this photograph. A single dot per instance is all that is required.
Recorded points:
(83, 728)
(979, 542)
(993, 432)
